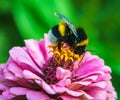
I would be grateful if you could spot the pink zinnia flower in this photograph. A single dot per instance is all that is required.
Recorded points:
(33, 73)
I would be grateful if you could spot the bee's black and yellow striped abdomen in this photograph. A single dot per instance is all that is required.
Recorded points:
(83, 40)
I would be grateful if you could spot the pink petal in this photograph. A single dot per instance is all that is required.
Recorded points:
(101, 73)
(23, 59)
(47, 88)
(74, 93)
(89, 57)
(29, 75)
(47, 43)
(75, 65)
(34, 95)
(2, 66)
(90, 78)
(3, 87)
(111, 91)
(67, 97)
(35, 52)
(39, 81)
(98, 94)
(59, 89)
(2, 98)
(7, 94)
(101, 84)
(79, 94)
(77, 85)
(14, 68)
(62, 73)
(8, 75)
(63, 82)
(18, 90)
(89, 66)
(106, 69)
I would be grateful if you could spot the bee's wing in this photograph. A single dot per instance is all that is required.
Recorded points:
(70, 25)
(53, 39)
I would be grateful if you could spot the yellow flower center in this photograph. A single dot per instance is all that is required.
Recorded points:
(65, 53)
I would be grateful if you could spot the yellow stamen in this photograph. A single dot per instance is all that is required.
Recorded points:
(70, 58)
(66, 58)
(57, 53)
(63, 50)
(64, 54)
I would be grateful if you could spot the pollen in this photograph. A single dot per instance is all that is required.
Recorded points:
(65, 53)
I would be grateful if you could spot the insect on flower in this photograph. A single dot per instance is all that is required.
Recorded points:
(66, 32)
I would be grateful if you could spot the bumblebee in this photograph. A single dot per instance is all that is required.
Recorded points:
(67, 33)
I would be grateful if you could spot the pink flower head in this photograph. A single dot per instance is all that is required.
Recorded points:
(34, 72)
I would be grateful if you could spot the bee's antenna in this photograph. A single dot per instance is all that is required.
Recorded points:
(70, 25)
(92, 50)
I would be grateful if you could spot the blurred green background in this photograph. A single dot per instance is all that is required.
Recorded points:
(24, 19)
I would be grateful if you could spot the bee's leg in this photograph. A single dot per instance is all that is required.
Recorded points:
(59, 45)
(82, 57)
